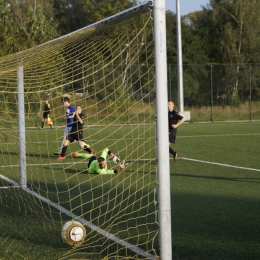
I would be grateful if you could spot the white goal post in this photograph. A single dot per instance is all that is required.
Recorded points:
(164, 193)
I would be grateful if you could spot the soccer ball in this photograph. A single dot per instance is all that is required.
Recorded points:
(73, 233)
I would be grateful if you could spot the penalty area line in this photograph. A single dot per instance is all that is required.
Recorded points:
(108, 235)
(221, 164)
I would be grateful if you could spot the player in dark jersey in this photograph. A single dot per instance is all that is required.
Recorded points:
(76, 134)
(46, 114)
(174, 121)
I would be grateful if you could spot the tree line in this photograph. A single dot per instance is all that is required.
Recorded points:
(225, 36)
(222, 32)
(27, 23)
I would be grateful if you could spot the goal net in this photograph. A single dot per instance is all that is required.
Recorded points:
(108, 69)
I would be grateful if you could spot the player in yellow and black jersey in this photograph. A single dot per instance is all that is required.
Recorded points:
(46, 114)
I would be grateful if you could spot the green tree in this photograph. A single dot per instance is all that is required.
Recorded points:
(229, 32)
(19, 8)
(76, 14)
(192, 53)
(20, 35)
(239, 40)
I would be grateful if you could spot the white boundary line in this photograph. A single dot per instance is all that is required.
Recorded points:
(223, 135)
(43, 164)
(138, 160)
(87, 141)
(220, 164)
(112, 139)
(121, 242)
(73, 162)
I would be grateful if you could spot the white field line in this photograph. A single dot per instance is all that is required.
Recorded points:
(42, 164)
(136, 160)
(222, 135)
(106, 234)
(113, 139)
(86, 141)
(73, 162)
(221, 164)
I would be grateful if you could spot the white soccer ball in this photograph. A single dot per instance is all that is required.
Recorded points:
(73, 233)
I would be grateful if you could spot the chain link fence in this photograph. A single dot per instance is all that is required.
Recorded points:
(218, 92)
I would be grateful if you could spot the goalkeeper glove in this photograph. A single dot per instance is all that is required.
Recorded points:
(116, 159)
(122, 166)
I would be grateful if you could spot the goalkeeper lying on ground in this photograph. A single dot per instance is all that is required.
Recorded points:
(99, 165)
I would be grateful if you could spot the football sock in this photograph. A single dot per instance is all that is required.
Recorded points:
(63, 151)
(87, 149)
(86, 155)
(171, 151)
(61, 145)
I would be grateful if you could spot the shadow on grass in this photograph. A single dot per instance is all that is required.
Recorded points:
(215, 227)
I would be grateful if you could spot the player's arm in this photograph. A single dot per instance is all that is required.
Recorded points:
(181, 120)
(106, 171)
(49, 109)
(79, 117)
(71, 116)
(72, 112)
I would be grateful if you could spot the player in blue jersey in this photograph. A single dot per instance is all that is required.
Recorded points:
(69, 118)
(76, 134)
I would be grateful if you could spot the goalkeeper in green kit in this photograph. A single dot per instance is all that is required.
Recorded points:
(99, 165)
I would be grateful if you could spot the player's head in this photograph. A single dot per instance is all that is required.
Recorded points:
(46, 101)
(102, 163)
(66, 101)
(79, 108)
(170, 105)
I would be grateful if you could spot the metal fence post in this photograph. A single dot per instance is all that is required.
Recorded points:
(250, 93)
(211, 87)
(170, 82)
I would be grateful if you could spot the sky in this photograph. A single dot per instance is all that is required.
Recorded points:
(186, 6)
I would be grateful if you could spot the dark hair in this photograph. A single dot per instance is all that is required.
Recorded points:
(66, 99)
(101, 159)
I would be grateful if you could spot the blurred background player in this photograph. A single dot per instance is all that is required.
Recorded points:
(46, 114)
(174, 121)
(99, 165)
(76, 134)
(69, 118)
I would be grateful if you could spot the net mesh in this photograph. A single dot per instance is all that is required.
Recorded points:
(108, 68)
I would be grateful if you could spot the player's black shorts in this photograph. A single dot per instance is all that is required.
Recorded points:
(172, 136)
(45, 115)
(75, 136)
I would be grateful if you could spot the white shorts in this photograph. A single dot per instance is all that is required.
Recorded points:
(67, 130)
